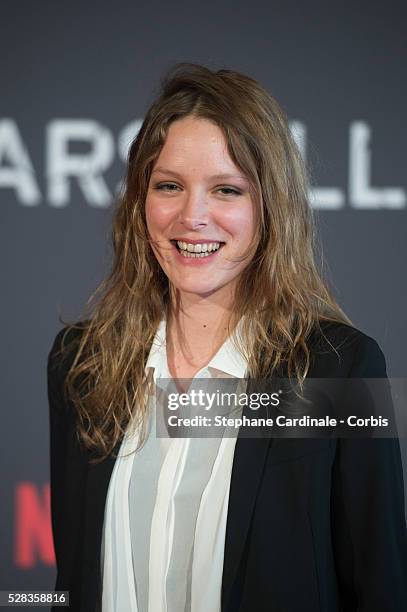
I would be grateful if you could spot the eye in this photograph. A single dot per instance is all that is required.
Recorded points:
(166, 187)
(230, 191)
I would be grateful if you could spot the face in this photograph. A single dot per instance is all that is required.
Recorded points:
(200, 213)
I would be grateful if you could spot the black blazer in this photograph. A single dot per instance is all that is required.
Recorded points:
(314, 525)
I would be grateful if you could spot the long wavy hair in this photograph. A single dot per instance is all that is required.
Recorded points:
(280, 298)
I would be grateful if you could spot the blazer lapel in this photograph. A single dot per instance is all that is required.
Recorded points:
(248, 463)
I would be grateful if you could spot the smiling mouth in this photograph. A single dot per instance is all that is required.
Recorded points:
(202, 249)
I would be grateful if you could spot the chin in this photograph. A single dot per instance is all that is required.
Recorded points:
(198, 289)
(203, 287)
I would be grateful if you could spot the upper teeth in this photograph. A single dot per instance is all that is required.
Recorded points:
(198, 248)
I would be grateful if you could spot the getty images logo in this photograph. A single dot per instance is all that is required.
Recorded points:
(87, 169)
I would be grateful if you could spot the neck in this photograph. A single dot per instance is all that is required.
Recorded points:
(197, 326)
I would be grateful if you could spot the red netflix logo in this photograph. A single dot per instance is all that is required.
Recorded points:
(33, 535)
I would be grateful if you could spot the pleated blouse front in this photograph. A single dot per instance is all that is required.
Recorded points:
(166, 509)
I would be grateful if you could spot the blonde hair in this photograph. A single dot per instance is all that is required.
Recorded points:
(280, 294)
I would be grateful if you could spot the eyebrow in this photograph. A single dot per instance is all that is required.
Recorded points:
(214, 176)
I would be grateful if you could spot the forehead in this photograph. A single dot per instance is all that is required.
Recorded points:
(197, 145)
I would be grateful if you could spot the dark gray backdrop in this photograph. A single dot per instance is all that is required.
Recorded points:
(74, 75)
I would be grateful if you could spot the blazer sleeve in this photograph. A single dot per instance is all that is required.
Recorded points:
(58, 429)
(368, 515)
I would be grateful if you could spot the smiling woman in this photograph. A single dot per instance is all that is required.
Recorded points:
(214, 276)
(196, 221)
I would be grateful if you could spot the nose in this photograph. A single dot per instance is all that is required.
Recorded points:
(194, 212)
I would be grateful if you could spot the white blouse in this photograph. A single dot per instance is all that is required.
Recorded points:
(166, 510)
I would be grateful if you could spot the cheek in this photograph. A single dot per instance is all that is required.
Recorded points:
(239, 223)
(158, 216)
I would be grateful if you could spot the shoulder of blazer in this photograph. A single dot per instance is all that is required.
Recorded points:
(61, 354)
(338, 349)
(60, 359)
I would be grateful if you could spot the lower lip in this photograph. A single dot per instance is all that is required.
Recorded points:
(195, 261)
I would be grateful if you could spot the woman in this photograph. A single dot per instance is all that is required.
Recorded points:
(214, 276)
